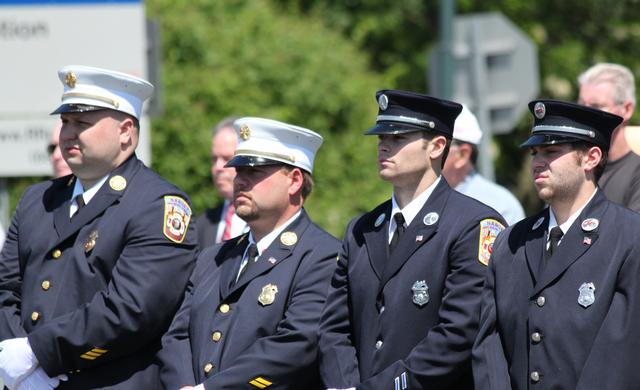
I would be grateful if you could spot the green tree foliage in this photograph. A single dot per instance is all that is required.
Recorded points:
(571, 36)
(244, 58)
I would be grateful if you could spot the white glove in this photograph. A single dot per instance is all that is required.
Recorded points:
(39, 380)
(199, 387)
(16, 361)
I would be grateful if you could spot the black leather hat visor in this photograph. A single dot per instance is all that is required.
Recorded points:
(250, 161)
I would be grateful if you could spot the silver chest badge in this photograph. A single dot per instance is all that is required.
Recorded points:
(380, 219)
(587, 294)
(430, 218)
(538, 223)
(420, 293)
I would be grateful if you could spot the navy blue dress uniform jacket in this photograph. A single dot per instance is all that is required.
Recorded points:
(224, 337)
(372, 330)
(551, 329)
(95, 293)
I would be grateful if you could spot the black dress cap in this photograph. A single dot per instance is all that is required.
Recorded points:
(404, 112)
(557, 122)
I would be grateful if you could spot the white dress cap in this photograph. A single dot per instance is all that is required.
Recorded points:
(264, 141)
(466, 128)
(87, 88)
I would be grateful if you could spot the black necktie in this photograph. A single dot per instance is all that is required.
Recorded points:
(80, 201)
(252, 254)
(555, 235)
(400, 228)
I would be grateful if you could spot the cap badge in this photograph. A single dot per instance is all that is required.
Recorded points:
(380, 219)
(245, 132)
(539, 110)
(383, 102)
(590, 224)
(538, 223)
(587, 294)
(70, 79)
(91, 242)
(268, 294)
(420, 293)
(288, 238)
(430, 218)
(118, 183)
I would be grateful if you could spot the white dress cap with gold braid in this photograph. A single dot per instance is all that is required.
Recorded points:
(266, 142)
(89, 89)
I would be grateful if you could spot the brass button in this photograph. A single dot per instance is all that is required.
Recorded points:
(216, 336)
(208, 367)
(536, 337)
(535, 376)
(46, 285)
(56, 253)
(34, 316)
(224, 308)
(541, 301)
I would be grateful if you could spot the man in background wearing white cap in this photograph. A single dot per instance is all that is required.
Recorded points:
(95, 264)
(612, 88)
(460, 170)
(250, 315)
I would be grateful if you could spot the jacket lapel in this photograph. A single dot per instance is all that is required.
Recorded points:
(377, 237)
(60, 201)
(418, 232)
(231, 260)
(574, 243)
(278, 251)
(534, 246)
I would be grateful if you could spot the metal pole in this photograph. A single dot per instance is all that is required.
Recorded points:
(479, 82)
(447, 12)
(4, 204)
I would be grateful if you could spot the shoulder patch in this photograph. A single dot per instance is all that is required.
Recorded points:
(177, 215)
(489, 230)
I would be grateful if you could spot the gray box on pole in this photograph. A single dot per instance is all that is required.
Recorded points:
(495, 74)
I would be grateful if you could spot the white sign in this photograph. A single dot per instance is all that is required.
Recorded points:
(36, 39)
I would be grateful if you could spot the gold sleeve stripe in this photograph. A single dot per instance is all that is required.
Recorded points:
(91, 353)
(98, 350)
(260, 383)
(88, 357)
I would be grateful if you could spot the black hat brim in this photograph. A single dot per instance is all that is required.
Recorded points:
(250, 161)
(66, 108)
(393, 128)
(547, 139)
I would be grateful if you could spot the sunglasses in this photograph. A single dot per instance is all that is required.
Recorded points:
(51, 148)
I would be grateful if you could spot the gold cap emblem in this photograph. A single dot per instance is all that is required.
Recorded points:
(245, 132)
(118, 183)
(288, 238)
(268, 294)
(70, 79)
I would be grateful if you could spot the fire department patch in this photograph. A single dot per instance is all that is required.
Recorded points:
(489, 230)
(177, 215)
